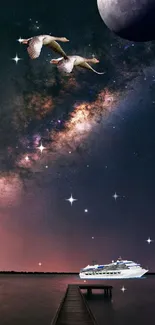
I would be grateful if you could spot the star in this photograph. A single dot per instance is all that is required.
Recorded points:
(16, 59)
(27, 158)
(46, 166)
(71, 200)
(86, 210)
(20, 39)
(92, 237)
(115, 196)
(40, 264)
(41, 148)
(123, 289)
(149, 240)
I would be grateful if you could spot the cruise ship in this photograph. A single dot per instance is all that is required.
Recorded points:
(119, 269)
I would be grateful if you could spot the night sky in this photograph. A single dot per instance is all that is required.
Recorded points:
(98, 134)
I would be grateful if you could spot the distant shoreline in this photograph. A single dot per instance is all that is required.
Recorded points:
(35, 272)
(54, 273)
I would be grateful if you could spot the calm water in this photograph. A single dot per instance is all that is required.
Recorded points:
(33, 300)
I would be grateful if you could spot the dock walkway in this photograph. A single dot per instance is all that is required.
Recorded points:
(73, 309)
(106, 288)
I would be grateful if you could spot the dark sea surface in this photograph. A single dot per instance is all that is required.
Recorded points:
(34, 299)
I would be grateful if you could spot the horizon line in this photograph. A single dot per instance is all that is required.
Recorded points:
(46, 272)
(12, 271)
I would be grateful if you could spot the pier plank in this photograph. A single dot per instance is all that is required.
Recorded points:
(73, 309)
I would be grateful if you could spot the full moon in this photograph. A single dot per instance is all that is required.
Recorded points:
(133, 20)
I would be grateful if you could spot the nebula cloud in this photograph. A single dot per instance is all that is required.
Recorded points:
(10, 190)
(76, 130)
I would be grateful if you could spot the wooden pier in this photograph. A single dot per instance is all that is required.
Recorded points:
(73, 309)
(107, 289)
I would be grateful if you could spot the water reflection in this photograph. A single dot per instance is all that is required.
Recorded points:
(33, 300)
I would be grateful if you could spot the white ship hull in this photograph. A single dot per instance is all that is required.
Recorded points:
(124, 274)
